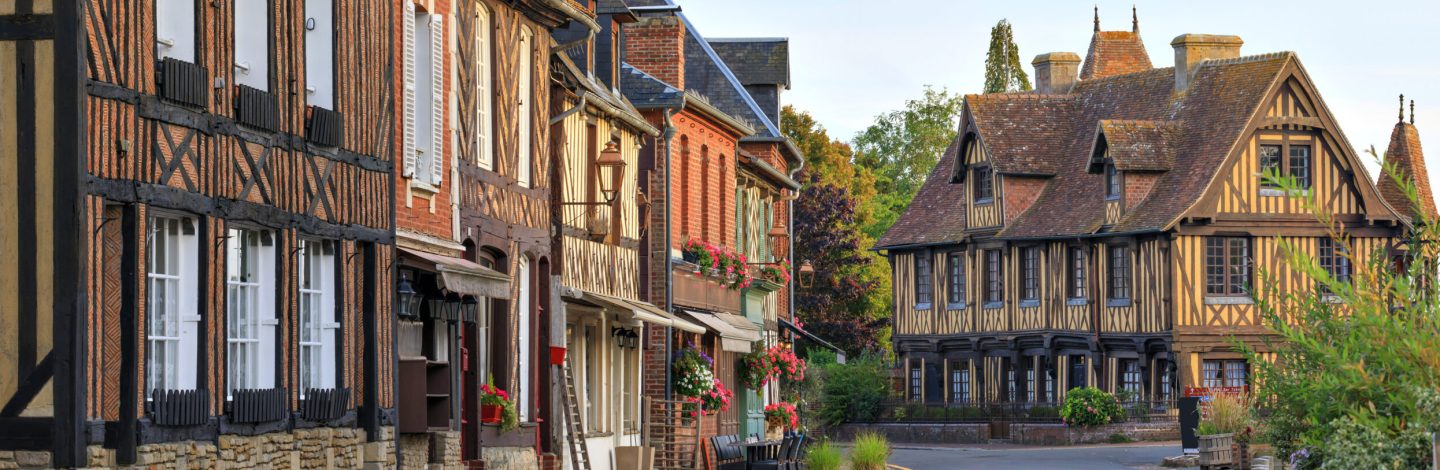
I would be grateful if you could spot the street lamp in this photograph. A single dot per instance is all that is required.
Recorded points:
(409, 299)
(779, 242)
(470, 308)
(807, 274)
(611, 168)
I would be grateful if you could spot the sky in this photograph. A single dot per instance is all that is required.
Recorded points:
(851, 60)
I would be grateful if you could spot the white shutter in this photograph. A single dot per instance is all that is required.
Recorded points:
(523, 162)
(329, 321)
(437, 99)
(409, 51)
(264, 377)
(252, 44)
(483, 145)
(319, 53)
(189, 311)
(175, 29)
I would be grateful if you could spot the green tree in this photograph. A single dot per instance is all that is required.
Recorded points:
(1003, 71)
(831, 161)
(902, 147)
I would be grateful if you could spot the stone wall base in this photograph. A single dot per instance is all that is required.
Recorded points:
(510, 458)
(24, 459)
(313, 448)
(917, 433)
(1060, 434)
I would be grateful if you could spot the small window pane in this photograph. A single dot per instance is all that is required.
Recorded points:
(1300, 164)
(1270, 161)
(923, 292)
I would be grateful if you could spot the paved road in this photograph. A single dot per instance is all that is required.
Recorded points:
(1105, 457)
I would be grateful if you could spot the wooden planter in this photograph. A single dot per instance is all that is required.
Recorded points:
(1215, 450)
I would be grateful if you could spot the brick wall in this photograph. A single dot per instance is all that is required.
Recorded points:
(416, 210)
(703, 188)
(1137, 187)
(1019, 194)
(656, 45)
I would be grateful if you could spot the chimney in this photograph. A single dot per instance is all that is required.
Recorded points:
(656, 45)
(1191, 49)
(1055, 72)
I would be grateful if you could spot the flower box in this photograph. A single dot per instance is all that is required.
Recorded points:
(1215, 449)
(490, 414)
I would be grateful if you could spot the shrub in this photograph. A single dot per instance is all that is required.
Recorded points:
(1090, 406)
(854, 391)
(870, 453)
(1228, 414)
(823, 456)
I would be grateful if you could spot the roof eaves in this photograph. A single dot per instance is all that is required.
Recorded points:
(704, 106)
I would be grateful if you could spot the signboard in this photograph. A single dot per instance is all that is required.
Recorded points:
(1189, 420)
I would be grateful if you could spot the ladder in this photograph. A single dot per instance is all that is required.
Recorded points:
(574, 432)
(673, 433)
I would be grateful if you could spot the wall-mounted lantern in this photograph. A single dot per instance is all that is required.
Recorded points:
(610, 168)
(807, 274)
(409, 306)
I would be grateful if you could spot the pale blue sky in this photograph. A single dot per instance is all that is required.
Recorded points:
(853, 59)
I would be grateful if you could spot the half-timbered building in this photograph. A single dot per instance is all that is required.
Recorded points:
(199, 222)
(1108, 228)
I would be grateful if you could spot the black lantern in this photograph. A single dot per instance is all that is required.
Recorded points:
(807, 274)
(611, 168)
(779, 242)
(470, 309)
(409, 305)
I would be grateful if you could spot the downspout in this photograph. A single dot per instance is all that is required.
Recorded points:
(669, 261)
(790, 214)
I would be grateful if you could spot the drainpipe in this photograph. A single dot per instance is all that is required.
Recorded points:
(669, 262)
(790, 214)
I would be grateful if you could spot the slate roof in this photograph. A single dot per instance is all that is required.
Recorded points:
(1407, 156)
(1138, 145)
(937, 215)
(707, 74)
(1115, 53)
(646, 91)
(756, 61)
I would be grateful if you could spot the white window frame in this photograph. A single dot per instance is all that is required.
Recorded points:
(250, 310)
(172, 304)
(523, 309)
(320, 53)
(319, 318)
(251, 22)
(175, 29)
(523, 117)
(484, 89)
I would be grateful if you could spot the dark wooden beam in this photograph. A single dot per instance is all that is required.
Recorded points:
(129, 343)
(71, 132)
(26, 27)
(369, 410)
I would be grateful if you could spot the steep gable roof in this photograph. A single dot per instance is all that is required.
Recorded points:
(1406, 156)
(756, 61)
(707, 74)
(1136, 145)
(936, 215)
(1115, 53)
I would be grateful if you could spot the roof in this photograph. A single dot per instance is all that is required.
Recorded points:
(1137, 145)
(756, 61)
(647, 91)
(1406, 156)
(936, 215)
(1115, 53)
(706, 73)
(603, 98)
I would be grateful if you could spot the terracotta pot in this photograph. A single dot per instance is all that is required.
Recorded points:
(490, 413)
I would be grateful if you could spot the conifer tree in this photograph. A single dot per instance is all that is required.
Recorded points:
(1003, 71)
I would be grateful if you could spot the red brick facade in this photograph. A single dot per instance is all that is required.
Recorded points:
(657, 47)
(704, 184)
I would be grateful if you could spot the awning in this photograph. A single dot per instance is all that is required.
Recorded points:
(839, 353)
(736, 332)
(463, 276)
(642, 311)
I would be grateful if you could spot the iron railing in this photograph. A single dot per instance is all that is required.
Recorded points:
(1136, 411)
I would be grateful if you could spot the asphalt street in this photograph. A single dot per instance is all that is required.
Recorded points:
(1100, 457)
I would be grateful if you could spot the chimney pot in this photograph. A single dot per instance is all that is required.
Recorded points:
(1055, 72)
(1191, 49)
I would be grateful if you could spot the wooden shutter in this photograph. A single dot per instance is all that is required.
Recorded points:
(483, 30)
(189, 311)
(437, 99)
(409, 147)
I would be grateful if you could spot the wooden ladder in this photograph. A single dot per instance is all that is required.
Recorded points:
(574, 432)
(673, 433)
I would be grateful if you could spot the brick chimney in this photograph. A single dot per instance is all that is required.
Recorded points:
(1191, 49)
(656, 45)
(1055, 72)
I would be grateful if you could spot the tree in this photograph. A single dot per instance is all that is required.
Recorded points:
(831, 161)
(1003, 71)
(902, 146)
(846, 304)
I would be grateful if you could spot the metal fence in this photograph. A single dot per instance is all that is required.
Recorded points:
(1136, 411)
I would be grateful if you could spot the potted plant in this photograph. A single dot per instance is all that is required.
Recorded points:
(693, 372)
(763, 366)
(780, 416)
(1228, 414)
(496, 408)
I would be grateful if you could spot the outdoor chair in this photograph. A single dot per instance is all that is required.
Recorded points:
(779, 462)
(728, 456)
(797, 455)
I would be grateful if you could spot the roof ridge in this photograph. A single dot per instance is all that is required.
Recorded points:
(1024, 95)
(1248, 58)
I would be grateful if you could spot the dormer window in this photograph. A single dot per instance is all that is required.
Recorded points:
(984, 185)
(1112, 182)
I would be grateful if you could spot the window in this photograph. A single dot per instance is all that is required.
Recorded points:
(915, 381)
(705, 198)
(960, 384)
(1028, 366)
(1166, 380)
(1225, 373)
(1010, 384)
(172, 325)
(319, 319)
(923, 287)
(1030, 273)
(425, 93)
(684, 196)
(994, 283)
(1270, 162)
(1120, 272)
(484, 83)
(1077, 273)
(630, 388)
(1300, 165)
(250, 310)
(320, 53)
(984, 186)
(1334, 261)
(522, 108)
(523, 354)
(1130, 377)
(252, 44)
(175, 29)
(1112, 182)
(590, 374)
(1227, 266)
(955, 282)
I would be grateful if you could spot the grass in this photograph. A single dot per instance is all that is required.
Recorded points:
(823, 456)
(870, 453)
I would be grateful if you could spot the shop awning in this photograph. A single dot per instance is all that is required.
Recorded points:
(642, 311)
(463, 276)
(839, 353)
(736, 333)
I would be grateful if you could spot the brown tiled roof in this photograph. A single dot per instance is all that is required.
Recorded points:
(1115, 53)
(1025, 133)
(936, 215)
(1138, 145)
(1407, 156)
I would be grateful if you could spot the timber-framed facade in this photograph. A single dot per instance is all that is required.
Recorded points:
(1107, 230)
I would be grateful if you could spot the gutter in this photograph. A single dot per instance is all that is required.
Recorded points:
(624, 114)
(771, 172)
(796, 155)
(569, 10)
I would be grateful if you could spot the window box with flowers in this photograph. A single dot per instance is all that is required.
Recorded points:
(497, 408)
(720, 262)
